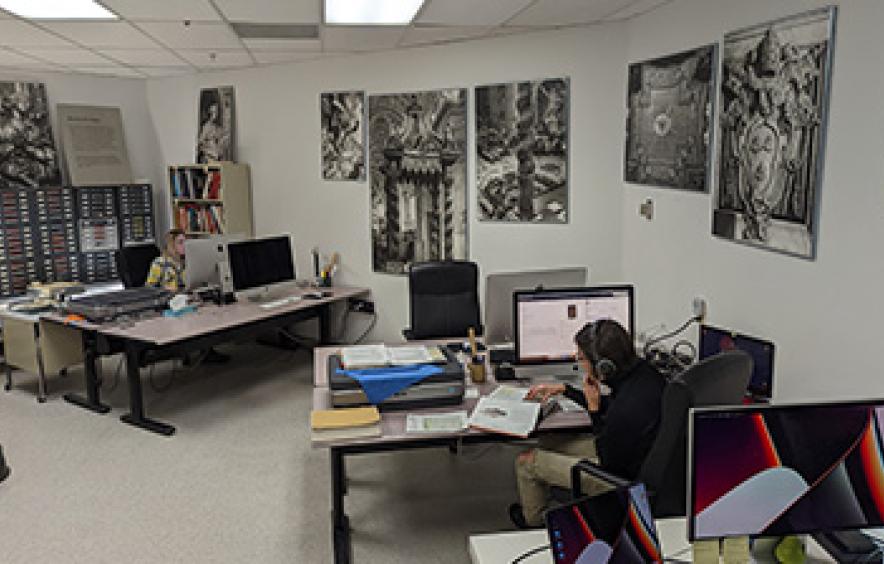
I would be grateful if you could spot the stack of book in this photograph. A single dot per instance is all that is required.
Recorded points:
(345, 423)
(376, 356)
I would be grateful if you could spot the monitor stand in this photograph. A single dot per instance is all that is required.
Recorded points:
(847, 546)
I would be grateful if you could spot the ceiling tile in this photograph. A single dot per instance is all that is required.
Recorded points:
(194, 36)
(568, 12)
(350, 38)
(271, 11)
(109, 71)
(636, 9)
(164, 10)
(17, 33)
(283, 44)
(422, 35)
(101, 34)
(68, 57)
(144, 57)
(165, 71)
(270, 57)
(202, 59)
(12, 59)
(470, 12)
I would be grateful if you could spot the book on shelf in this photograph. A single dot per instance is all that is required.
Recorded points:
(505, 411)
(376, 356)
(214, 185)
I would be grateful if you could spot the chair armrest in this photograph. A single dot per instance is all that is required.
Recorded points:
(594, 470)
(408, 334)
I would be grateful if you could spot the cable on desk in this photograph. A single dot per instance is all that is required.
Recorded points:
(529, 554)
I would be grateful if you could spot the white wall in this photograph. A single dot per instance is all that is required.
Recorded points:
(825, 316)
(278, 135)
(127, 94)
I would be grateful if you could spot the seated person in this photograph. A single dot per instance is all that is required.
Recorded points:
(624, 423)
(167, 271)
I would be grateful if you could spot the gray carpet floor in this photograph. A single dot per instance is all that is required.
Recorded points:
(238, 482)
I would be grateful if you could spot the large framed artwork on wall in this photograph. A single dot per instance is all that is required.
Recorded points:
(669, 111)
(342, 115)
(775, 93)
(27, 150)
(417, 176)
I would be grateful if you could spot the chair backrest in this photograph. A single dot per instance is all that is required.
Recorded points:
(717, 380)
(133, 263)
(443, 299)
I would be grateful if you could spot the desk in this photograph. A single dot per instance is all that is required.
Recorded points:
(393, 437)
(161, 338)
(505, 547)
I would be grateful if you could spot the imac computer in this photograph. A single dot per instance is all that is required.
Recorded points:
(714, 340)
(499, 288)
(545, 322)
(776, 470)
(202, 259)
(258, 264)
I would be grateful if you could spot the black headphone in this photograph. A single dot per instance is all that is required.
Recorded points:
(603, 367)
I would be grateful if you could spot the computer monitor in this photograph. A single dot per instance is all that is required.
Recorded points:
(258, 263)
(201, 258)
(499, 288)
(616, 526)
(714, 340)
(775, 470)
(547, 320)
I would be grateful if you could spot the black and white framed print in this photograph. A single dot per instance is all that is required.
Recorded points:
(522, 151)
(417, 176)
(343, 135)
(775, 90)
(215, 140)
(669, 111)
(27, 149)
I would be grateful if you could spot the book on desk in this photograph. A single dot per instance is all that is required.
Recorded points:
(346, 423)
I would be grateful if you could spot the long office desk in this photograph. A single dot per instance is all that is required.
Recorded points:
(394, 437)
(160, 338)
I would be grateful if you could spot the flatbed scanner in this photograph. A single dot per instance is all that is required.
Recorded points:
(444, 388)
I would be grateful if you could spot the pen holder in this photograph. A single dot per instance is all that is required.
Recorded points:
(324, 281)
(476, 368)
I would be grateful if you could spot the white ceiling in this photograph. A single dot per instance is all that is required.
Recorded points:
(174, 37)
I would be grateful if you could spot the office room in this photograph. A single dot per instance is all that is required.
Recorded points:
(157, 438)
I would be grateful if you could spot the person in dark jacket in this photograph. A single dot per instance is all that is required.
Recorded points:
(624, 422)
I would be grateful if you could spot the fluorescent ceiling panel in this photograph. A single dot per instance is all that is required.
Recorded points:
(371, 12)
(470, 12)
(58, 9)
(164, 10)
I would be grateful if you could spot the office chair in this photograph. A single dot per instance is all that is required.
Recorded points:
(443, 300)
(717, 380)
(133, 263)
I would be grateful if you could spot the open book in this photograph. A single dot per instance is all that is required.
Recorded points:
(376, 356)
(505, 411)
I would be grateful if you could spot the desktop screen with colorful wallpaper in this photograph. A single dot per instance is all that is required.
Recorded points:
(714, 340)
(615, 527)
(780, 470)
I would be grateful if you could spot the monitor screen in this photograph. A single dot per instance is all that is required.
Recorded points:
(260, 262)
(616, 526)
(714, 340)
(783, 470)
(499, 288)
(547, 320)
(201, 258)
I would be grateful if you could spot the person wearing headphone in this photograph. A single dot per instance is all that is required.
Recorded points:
(624, 423)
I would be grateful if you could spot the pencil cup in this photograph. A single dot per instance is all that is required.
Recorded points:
(476, 367)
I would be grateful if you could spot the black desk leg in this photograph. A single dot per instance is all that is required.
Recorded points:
(92, 401)
(324, 324)
(136, 405)
(340, 522)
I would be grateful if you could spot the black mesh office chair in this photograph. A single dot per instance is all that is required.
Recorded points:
(717, 380)
(444, 300)
(133, 263)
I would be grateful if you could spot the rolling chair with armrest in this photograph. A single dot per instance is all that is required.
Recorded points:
(133, 263)
(443, 300)
(717, 380)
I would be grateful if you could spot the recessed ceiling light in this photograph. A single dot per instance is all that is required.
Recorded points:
(58, 9)
(371, 12)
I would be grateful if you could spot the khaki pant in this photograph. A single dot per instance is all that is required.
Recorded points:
(551, 466)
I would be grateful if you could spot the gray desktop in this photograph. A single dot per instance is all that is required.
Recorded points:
(202, 258)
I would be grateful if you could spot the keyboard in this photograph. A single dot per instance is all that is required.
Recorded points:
(280, 302)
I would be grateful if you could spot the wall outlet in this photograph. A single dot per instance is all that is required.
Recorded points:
(699, 308)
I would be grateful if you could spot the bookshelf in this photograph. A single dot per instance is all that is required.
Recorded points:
(211, 199)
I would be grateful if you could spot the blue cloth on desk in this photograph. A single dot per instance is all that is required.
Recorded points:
(381, 383)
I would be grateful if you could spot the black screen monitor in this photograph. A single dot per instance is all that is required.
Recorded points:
(260, 262)
(775, 470)
(545, 321)
(714, 340)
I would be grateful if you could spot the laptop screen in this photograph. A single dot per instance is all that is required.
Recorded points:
(616, 527)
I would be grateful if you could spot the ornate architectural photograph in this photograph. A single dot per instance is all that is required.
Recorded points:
(775, 91)
(522, 151)
(215, 140)
(27, 149)
(669, 109)
(417, 178)
(343, 135)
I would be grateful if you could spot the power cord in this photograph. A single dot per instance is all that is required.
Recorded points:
(529, 554)
(374, 320)
(671, 334)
